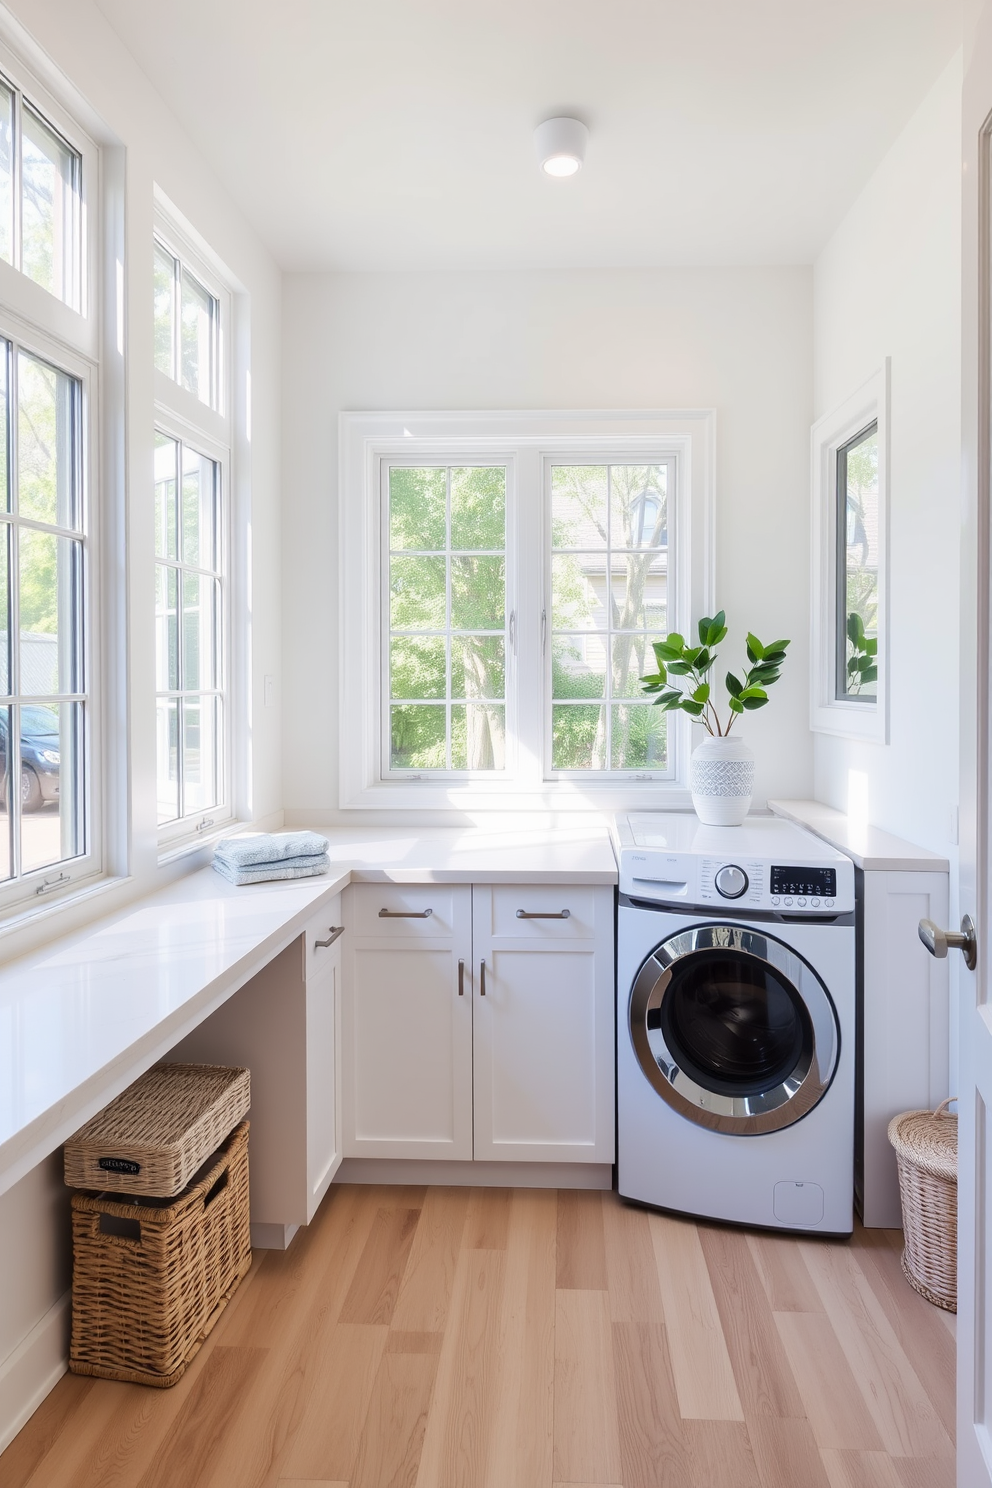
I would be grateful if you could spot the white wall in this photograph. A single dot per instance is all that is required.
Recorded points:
(737, 340)
(888, 284)
(77, 39)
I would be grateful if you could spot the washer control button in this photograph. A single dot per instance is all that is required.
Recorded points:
(775, 900)
(801, 903)
(788, 901)
(829, 903)
(731, 881)
(815, 903)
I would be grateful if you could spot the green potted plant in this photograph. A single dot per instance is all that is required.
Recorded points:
(721, 770)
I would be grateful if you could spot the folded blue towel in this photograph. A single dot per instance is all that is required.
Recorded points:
(265, 847)
(302, 867)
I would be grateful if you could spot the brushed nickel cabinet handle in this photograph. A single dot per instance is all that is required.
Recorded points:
(482, 979)
(461, 979)
(333, 932)
(405, 914)
(538, 914)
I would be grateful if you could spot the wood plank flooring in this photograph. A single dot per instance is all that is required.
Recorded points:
(455, 1338)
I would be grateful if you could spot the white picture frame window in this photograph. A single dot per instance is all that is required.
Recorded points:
(833, 708)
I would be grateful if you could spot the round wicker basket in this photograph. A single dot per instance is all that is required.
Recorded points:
(926, 1145)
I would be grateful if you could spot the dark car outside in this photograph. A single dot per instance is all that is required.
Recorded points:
(40, 756)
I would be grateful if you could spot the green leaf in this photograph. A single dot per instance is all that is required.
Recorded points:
(776, 646)
(852, 665)
(871, 646)
(734, 686)
(704, 628)
(712, 631)
(751, 703)
(679, 668)
(763, 674)
(871, 675)
(688, 706)
(772, 658)
(736, 706)
(755, 649)
(855, 628)
(665, 652)
(668, 700)
(676, 641)
(702, 693)
(703, 659)
(754, 692)
(691, 654)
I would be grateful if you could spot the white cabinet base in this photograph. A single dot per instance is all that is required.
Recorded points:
(272, 1236)
(471, 1174)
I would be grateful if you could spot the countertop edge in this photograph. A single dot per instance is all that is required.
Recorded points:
(871, 848)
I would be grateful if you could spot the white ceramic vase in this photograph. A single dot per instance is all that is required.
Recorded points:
(721, 778)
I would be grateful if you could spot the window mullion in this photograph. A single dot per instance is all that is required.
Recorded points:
(15, 179)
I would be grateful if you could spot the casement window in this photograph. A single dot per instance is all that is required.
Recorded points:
(849, 633)
(192, 510)
(503, 579)
(52, 749)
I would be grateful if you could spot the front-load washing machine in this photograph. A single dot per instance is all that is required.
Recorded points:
(736, 1022)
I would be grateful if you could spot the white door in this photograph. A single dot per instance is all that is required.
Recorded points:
(975, 1007)
(407, 1028)
(543, 1043)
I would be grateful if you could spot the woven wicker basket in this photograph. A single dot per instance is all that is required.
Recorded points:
(926, 1144)
(151, 1279)
(159, 1131)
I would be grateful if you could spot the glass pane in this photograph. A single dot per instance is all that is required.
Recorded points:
(4, 427)
(633, 658)
(49, 221)
(857, 469)
(477, 667)
(638, 590)
(199, 510)
(201, 753)
(478, 737)
(6, 815)
(417, 504)
(50, 613)
(198, 321)
(417, 599)
(5, 687)
(201, 602)
(478, 507)
(639, 735)
(166, 629)
(418, 737)
(47, 477)
(579, 592)
(165, 311)
(6, 181)
(52, 738)
(578, 666)
(478, 593)
(638, 506)
(166, 522)
(417, 667)
(578, 737)
(579, 506)
(167, 754)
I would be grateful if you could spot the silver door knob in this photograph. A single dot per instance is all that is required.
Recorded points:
(938, 942)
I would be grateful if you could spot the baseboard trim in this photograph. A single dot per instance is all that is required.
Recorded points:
(34, 1368)
(474, 1174)
(272, 1236)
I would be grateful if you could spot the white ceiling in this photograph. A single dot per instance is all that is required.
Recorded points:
(375, 134)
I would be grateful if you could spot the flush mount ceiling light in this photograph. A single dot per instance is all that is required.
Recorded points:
(561, 146)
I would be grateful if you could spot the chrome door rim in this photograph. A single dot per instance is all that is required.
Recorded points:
(784, 1102)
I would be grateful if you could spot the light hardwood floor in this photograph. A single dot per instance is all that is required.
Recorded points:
(480, 1338)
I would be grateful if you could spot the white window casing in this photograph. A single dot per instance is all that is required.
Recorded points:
(526, 444)
(849, 717)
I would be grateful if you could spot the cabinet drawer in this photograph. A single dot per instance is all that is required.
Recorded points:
(405, 911)
(536, 912)
(320, 928)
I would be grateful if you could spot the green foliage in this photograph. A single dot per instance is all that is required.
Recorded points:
(676, 659)
(862, 664)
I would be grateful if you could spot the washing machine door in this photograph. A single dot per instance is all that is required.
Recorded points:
(733, 1029)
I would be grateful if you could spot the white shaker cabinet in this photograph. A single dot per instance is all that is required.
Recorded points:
(408, 1022)
(483, 1029)
(323, 984)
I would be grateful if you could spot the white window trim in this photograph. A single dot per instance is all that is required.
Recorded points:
(180, 414)
(850, 718)
(523, 440)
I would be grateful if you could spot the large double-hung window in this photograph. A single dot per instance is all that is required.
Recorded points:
(504, 578)
(50, 344)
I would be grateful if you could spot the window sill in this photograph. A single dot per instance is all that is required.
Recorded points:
(27, 914)
(185, 847)
(571, 795)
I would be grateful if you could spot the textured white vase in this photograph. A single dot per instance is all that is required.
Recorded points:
(721, 778)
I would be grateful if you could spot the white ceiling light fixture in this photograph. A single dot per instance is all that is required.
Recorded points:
(561, 146)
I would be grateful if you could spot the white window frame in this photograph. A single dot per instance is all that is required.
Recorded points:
(525, 442)
(850, 717)
(179, 414)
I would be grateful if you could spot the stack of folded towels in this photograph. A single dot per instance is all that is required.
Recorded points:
(259, 856)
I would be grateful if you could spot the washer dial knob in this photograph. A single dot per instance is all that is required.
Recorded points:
(731, 881)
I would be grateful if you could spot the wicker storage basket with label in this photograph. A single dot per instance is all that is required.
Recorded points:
(926, 1144)
(159, 1131)
(151, 1277)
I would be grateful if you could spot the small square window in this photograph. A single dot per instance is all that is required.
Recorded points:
(187, 328)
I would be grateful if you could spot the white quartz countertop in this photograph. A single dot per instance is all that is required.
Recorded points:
(83, 1018)
(869, 847)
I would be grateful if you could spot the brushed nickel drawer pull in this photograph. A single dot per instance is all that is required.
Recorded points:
(537, 914)
(405, 914)
(482, 979)
(461, 979)
(333, 931)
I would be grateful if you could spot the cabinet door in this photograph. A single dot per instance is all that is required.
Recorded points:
(323, 977)
(543, 1036)
(408, 1022)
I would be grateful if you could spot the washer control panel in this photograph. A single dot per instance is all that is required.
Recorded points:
(731, 881)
